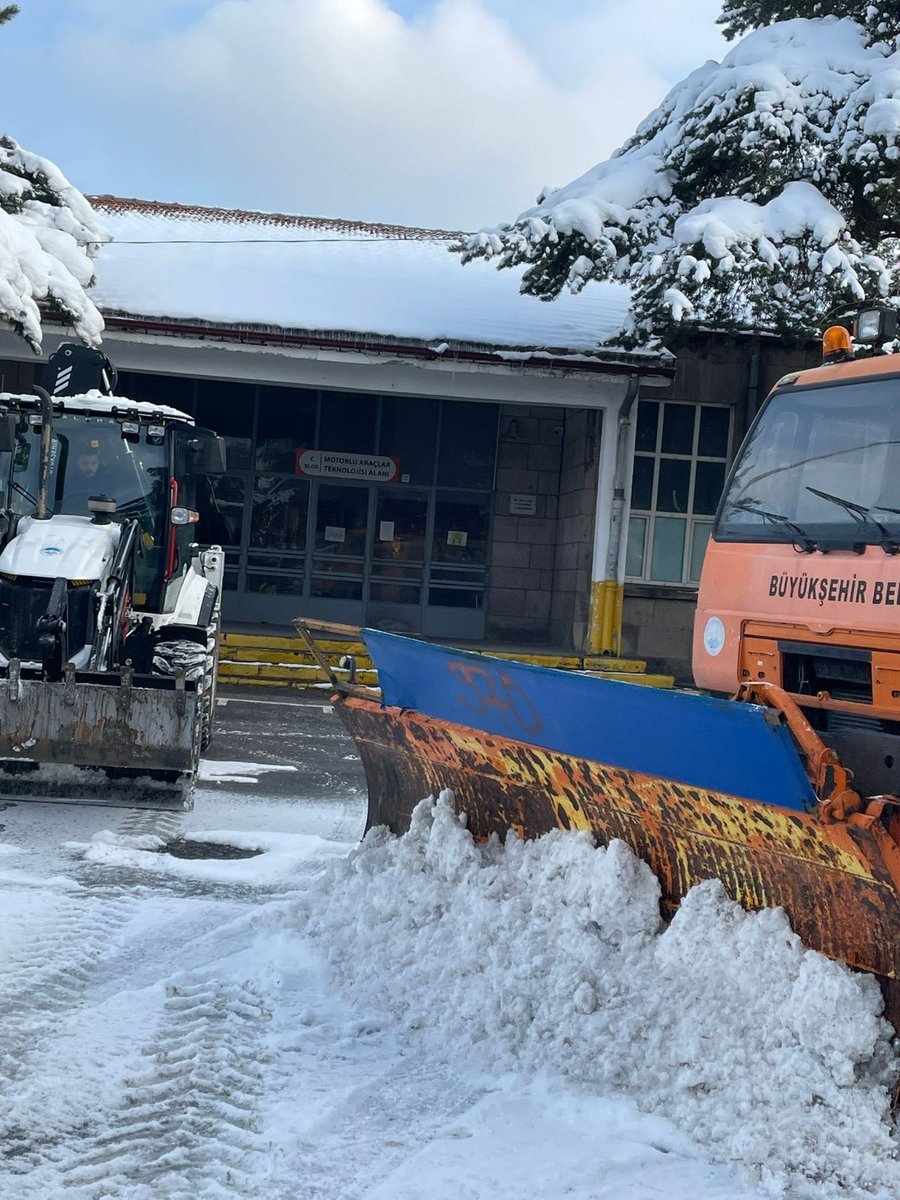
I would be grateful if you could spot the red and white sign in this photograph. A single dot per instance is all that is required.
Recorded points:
(332, 464)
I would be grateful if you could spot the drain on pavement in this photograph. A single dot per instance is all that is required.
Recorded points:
(185, 848)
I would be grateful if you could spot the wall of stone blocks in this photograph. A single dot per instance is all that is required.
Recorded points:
(529, 455)
(541, 563)
(658, 629)
(582, 434)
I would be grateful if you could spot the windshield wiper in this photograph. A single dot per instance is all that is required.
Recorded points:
(801, 536)
(23, 492)
(863, 517)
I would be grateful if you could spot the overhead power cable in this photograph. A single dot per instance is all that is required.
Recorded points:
(259, 241)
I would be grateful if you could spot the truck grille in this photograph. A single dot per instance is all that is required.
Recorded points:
(846, 674)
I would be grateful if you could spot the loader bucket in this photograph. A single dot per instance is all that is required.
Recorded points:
(105, 739)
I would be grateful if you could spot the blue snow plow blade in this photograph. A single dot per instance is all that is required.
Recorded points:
(720, 745)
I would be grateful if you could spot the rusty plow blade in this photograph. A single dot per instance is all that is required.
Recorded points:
(743, 791)
(115, 742)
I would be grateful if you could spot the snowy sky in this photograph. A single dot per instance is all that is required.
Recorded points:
(448, 113)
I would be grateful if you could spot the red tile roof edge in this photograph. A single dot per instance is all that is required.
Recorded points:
(239, 216)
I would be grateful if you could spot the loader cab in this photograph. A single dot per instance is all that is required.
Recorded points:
(112, 460)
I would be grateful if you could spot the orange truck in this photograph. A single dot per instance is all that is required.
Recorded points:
(801, 581)
(781, 776)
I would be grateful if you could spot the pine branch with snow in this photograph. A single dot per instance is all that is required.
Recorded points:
(49, 235)
(880, 17)
(761, 193)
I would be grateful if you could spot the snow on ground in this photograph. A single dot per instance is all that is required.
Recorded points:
(548, 956)
(408, 1018)
(236, 772)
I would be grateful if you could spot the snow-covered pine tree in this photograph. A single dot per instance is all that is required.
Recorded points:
(880, 17)
(761, 193)
(48, 236)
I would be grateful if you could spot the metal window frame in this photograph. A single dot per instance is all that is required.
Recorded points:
(690, 517)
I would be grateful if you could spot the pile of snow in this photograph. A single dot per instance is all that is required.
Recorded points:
(550, 957)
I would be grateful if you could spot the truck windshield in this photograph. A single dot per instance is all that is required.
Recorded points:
(821, 466)
(89, 457)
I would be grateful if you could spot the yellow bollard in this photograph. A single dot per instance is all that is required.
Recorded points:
(605, 617)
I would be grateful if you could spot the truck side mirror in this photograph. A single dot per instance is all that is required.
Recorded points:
(8, 422)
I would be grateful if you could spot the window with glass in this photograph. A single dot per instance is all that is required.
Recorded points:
(285, 424)
(398, 549)
(459, 549)
(175, 391)
(228, 409)
(348, 421)
(408, 432)
(820, 468)
(418, 541)
(680, 461)
(468, 446)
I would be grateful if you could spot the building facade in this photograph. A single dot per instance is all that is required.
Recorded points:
(416, 446)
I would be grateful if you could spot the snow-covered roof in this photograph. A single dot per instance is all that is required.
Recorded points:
(367, 283)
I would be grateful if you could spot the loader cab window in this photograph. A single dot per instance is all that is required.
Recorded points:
(90, 457)
(824, 461)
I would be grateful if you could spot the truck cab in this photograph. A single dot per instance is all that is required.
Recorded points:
(801, 581)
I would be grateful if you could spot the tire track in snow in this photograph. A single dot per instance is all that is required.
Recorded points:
(144, 822)
(47, 978)
(188, 1126)
(377, 1128)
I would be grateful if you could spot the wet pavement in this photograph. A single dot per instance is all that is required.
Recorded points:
(285, 727)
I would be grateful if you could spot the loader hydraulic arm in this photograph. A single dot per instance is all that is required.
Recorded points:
(114, 602)
(52, 630)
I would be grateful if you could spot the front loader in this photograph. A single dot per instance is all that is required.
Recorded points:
(109, 611)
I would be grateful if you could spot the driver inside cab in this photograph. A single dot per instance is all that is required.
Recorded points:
(87, 477)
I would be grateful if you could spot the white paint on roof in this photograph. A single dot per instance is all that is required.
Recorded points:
(244, 269)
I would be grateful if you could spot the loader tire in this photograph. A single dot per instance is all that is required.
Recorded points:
(168, 657)
(208, 701)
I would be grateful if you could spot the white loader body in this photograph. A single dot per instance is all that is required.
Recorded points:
(109, 610)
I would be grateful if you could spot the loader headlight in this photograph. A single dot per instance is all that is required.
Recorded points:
(714, 636)
(184, 516)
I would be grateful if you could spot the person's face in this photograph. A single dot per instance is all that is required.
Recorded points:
(88, 463)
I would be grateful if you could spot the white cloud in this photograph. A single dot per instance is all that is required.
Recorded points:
(455, 116)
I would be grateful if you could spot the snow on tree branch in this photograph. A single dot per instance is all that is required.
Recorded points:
(49, 235)
(761, 193)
